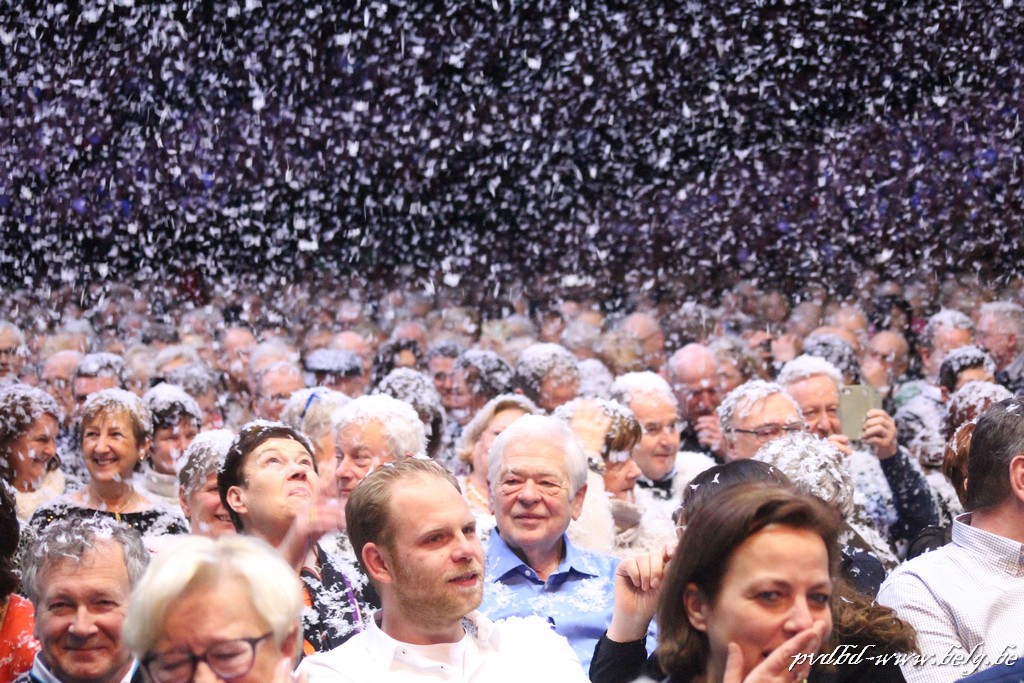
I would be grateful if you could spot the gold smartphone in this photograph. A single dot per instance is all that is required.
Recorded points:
(855, 400)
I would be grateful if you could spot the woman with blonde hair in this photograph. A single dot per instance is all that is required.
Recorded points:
(115, 432)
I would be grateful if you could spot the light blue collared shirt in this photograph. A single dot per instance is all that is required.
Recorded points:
(576, 600)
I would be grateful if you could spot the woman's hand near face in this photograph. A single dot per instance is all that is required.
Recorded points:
(779, 666)
(637, 587)
(323, 516)
(590, 424)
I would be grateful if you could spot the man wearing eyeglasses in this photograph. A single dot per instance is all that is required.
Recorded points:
(693, 376)
(755, 413)
(897, 496)
(664, 468)
(537, 472)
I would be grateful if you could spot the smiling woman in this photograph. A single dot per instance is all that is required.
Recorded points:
(28, 450)
(115, 430)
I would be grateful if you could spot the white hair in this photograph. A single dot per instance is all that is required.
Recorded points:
(631, 383)
(402, 426)
(1006, 311)
(747, 394)
(947, 317)
(804, 367)
(14, 329)
(311, 410)
(191, 562)
(814, 466)
(203, 457)
(545, 429)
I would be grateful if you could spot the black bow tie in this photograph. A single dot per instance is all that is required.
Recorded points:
(660, 489)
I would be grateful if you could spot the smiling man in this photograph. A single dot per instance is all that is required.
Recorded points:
(665, 468)
(755, 413)
(270, 479)
(79, 577)
(537, 472)
(371, 431)
(416, 540)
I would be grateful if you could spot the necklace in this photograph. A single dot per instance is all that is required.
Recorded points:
(475, 496)
(103, 505)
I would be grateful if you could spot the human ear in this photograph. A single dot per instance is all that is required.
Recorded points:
(236, 500)
(1016, 477)
(696, 608)
(577, 502)
(183, 502)
(376, 559)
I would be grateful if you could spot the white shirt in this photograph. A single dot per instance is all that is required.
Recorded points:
(517, 650)
(967, 594)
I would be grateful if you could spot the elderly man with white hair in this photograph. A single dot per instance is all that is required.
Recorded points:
(665, 469)
(896, 494)
(654, 405)
(537, 471)
(755, 413)
(1000, 331)
(12, 352)
(371, 431)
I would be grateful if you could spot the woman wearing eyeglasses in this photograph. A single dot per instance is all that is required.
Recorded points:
(225, 609)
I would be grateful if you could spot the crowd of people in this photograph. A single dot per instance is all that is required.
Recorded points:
(331, 486)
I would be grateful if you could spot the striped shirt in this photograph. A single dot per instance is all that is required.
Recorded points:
(966, 602)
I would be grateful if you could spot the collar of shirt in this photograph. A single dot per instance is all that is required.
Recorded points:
(999, 552)
(42, 674)
(502, 561)
(445, 659)
(662, 489)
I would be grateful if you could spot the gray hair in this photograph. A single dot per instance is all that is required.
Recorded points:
(814, 466)
(312, 410)
(102, 365)
(539, 361)
(804, 367)
(475, 428)
(1007, 311)
(744, 396)
(947, 317)
(203, 457)
(169, 403)
(69, 540)
(545, 429)
(626, 386)
(196, 561)
(402, 426)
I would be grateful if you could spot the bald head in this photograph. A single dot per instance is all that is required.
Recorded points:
(693, 375)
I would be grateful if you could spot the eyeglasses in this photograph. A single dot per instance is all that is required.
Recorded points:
(767, 432)
(228, 659)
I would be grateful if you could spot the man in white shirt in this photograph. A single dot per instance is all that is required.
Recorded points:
(416, 539)
(965, 600)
